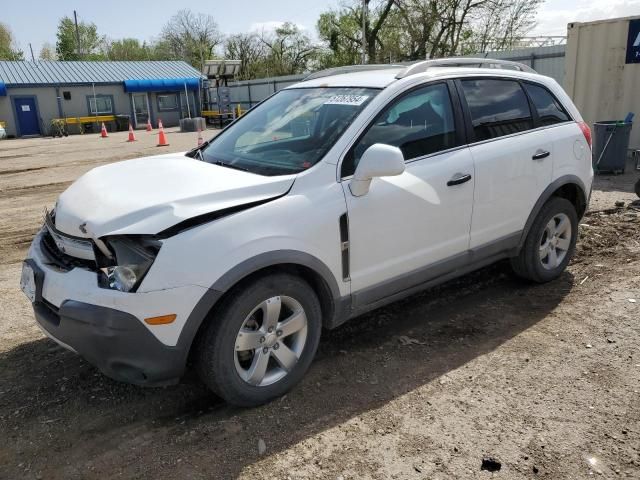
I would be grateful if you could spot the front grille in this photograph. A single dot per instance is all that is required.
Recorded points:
(60, 259)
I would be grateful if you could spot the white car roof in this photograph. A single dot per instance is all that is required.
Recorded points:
(384, 77)
(367, 78)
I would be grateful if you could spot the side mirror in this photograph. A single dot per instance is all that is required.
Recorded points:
(378, 160)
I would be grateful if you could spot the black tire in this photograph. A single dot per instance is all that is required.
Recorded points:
(528, 263)
(637, 188)
(215, 355)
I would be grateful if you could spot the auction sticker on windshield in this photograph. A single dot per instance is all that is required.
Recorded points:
(347, 100)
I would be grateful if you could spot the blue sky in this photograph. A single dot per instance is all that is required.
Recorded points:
(35, 20)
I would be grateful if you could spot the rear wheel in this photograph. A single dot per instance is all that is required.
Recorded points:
(261, 341)
(550, 242)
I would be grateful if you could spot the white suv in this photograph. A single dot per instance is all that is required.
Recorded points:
(347, 191)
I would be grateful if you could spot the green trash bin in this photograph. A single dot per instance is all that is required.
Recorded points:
(610, 146)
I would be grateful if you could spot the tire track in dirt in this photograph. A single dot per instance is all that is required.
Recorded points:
(29, 190)
(22, 170)
(10, 170)
(79, 163)
(14, 244)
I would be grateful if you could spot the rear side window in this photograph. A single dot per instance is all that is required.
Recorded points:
(549, 109)
(497, 107)
(419, 123)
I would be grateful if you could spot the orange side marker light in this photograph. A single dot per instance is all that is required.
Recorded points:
(161, 320)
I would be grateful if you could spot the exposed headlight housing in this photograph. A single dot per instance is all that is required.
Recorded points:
(133, 257)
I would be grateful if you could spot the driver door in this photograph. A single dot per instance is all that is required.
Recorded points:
(413, 227)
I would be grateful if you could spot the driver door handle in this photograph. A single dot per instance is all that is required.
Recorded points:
(458, 179)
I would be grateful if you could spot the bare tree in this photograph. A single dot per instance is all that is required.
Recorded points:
(191, 36)
(347, 23)
(501, 24)
(417, 29)
(47, 52)
(250, 50)
(373, 25)
(289, 51)
(423, 22)
(436, 27)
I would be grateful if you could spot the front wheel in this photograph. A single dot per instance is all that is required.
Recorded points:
(550, 242)
(261, 341)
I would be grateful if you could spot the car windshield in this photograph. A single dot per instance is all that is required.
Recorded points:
(289, 132)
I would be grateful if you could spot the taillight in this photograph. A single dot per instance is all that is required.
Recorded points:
(586, 131)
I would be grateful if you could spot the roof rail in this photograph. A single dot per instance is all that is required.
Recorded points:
(348, 69)
(421, 67)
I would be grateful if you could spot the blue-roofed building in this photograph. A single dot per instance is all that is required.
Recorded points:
(32, 94)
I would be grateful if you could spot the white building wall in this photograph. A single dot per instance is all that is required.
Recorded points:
(46, 103)
(77, 105)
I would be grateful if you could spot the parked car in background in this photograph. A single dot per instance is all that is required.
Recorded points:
(345, 192)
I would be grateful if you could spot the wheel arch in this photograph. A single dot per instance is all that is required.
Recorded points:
(570, 187)
(311, 269)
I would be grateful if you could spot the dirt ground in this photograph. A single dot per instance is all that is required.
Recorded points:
(543, 378)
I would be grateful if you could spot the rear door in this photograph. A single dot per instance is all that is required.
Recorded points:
(512, 158)
(569, 154)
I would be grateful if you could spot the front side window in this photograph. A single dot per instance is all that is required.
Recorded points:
(167, 102)
(419, 123)
(549, 109)
(100, 105)
(497, 107)
(290, 131)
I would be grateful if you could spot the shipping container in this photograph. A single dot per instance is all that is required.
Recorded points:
(602, 70)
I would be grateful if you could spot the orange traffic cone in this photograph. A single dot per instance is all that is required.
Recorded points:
(162, 139)
(200, 139)
(149, 127)
(132, 137)
(103, 131)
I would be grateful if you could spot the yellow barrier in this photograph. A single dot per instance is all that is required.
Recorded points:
(214, 113)
(211, 113)
(93, 119)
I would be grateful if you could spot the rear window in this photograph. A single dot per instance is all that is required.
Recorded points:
(497, 107)
(549, 109)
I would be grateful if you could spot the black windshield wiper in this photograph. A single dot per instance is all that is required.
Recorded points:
(230, 165)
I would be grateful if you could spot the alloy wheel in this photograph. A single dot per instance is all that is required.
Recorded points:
(555, 241)
(270, 341)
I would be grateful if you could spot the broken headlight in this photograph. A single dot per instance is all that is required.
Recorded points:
(132, 259)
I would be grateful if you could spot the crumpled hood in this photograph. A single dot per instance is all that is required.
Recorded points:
(148, 195)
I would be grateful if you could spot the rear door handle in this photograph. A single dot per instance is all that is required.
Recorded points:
(540, 154)
(458, 179)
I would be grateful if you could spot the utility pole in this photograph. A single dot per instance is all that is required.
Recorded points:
(364, 32)
(75, 19)
(33, 59)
